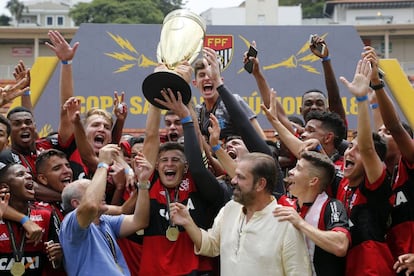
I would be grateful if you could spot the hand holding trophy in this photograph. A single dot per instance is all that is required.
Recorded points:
(182, 37)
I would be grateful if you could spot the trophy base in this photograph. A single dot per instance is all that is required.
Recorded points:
(154, 83)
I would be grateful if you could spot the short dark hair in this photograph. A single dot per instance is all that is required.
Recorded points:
(198, 65)
(295, 119)
(380, 145)
(232, 137)
(314, 90)
(322, 163)
(6, 122)
(136, 140)
(4, 172)
(263, 165)
(169, 112)
(167, 146)
(17, 110)
(45, 156)
(331, 121)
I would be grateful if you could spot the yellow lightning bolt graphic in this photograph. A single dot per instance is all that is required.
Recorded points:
(125, 68)
(46, 129)
(247, 42)
(295, 61)
(311, 57)
(140, 60)
(121, 56)
(123, 43)
(304, 48)
(309, 68)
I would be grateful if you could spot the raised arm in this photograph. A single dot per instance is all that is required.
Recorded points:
(224, 158)
(261, 82)
(265, 90)
(91, 203)
(120, 111)
(89, 158)
(359, 88)
(205, 181)
(10, 92)
(21, 73)
(65, 53)
(334, 98)
(295, 145)
(254, 141)
(140, 218)
(388, 112)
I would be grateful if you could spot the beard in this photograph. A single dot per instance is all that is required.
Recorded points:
(244, 198)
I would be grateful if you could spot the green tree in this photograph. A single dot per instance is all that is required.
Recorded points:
(4, 20)
(310, 8)
(16, 9)
(167, 6)
(123, 11)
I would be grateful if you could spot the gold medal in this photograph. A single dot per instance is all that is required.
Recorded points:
(172, 233)
(17, 269)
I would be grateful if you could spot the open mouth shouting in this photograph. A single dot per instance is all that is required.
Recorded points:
(99, 140)
(170, 174)
(25, 136)
(29, 186)
(66, 180)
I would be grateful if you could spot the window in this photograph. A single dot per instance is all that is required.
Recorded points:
(60, 20)
(49, 20)
(261, 19)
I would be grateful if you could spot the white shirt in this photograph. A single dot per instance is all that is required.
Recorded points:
(263, 246)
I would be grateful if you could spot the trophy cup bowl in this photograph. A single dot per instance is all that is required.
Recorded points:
(182, 37)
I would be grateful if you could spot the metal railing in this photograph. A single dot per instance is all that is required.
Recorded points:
(6, 72)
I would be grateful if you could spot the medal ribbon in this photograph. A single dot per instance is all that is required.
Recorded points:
(167, 195)
(17, 253)
(112, 247)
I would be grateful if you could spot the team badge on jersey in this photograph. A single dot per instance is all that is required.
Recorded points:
(224, 47)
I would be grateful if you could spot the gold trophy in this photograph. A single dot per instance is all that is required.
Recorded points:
(182, 37)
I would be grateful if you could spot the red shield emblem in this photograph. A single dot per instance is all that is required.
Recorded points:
(223, 44)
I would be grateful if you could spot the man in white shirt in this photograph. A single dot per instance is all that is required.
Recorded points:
(249, 240)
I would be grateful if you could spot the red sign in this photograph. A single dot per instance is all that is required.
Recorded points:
(223, 44)
(22, 51)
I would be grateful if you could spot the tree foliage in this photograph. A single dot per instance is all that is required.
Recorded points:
(5, 20)
(16, 9)
(123, 11)
(310, 8)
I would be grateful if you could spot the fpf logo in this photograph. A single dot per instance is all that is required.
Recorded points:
(223, 45)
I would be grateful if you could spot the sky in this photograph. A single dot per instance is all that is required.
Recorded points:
(197, 6)
(3, 9)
